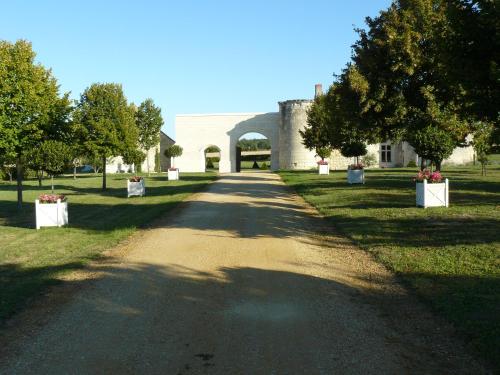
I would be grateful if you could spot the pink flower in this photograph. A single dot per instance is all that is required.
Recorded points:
(322, 162)
(51, 198)
(135, 179)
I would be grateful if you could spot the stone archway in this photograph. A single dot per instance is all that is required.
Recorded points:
(196, 132)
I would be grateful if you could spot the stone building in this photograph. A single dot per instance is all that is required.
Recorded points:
(195, 133)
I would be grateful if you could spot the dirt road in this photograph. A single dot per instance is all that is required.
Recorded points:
(238, 282)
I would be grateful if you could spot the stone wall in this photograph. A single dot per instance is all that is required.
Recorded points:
(293, 118)
(195, 133)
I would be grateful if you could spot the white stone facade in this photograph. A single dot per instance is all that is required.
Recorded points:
(116, 164)
(195, 133)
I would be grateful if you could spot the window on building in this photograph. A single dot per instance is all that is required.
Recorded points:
(385, 153)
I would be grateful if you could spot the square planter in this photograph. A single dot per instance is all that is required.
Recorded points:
(432, 195)
(356, 176)
(51, 214)
(136, 188)
(173, 174)
(324, 169)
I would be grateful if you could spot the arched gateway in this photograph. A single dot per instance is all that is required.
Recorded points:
(197, 132)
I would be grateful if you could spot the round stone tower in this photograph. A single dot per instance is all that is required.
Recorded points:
(293, 117)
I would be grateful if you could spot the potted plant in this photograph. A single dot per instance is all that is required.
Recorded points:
(173, 152)
(356, 171)
(323, 152)
(431, 191)
(136, 186)
(356, 174)
(51, 210)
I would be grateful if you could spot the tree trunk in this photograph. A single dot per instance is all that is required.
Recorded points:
(147, 161)
(74, 172)
(19, 177)
(422, 164)
(438, 165)
(52, 182)
(10, 177)
(39, 175)
(104, 173)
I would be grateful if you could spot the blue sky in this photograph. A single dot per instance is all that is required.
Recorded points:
(192, 56)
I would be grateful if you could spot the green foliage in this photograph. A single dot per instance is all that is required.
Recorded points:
(353, 149)
(210, 164)
(369, 159)
(253, 144)
(157, 162)
(483, 139)
(323, 152)
(411, 164)
(149, 122)
(31, 109)
(433, 144)
(50, 156)
(173, 151)
(316, 134)
(105, 122)
(133, 156)
(264, 166)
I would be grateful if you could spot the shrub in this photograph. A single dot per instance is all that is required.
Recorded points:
(411, 164)
(264, 166)
(369, 160)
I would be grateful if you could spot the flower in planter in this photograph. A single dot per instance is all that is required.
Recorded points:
(135, 179)
(322, 162)
(357, 166)
(432, 178)
(173, 169)
(51, 198)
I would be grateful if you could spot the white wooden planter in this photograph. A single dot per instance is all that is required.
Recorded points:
(324, 169)
(51, 214)
(173, 175)
(356, 176)
(432, 195)
(136, 188)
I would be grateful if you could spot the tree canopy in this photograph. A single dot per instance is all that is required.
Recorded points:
(106, 122)
(31, 109)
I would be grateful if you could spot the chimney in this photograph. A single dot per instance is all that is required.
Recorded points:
(318, 90)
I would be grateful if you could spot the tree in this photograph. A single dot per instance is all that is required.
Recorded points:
(316, 134)
(483, 139)
(106, 122)
(52, 157)
(133, 156)
(433, 143)
(173, 152)
(149, 122)
(324, 152)
(353, 149)
(29, 100)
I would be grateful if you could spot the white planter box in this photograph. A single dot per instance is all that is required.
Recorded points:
(173, 175)
(324, 169)
(356, 176)
(51, 214)
(136, 188)
(432, 195)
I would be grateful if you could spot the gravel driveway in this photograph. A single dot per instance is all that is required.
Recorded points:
(240, 281)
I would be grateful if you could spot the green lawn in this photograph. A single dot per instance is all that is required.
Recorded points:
(30, 259)
(449, 256)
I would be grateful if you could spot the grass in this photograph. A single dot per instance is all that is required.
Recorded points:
(449, 256)
(30, 260)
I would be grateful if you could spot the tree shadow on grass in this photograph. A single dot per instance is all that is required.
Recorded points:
(228, 317)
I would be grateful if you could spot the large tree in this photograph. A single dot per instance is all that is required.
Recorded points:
(106, 122)
(149, 122)
(29, 104)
